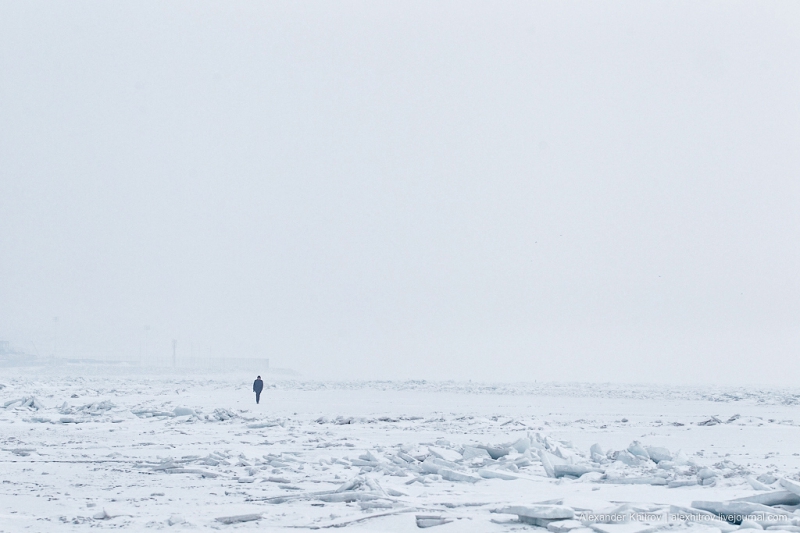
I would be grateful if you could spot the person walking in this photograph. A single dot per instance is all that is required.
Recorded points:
(258, 386)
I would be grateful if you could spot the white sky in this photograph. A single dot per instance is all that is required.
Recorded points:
(495, 191)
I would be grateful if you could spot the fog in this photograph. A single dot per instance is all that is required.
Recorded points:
(552, 191)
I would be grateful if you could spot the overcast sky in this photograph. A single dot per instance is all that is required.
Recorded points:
(605, 191)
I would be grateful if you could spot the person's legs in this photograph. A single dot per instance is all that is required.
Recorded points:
(258, 396)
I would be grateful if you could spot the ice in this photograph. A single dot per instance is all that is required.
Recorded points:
(522, 444)
(495, 452)
(766, 520)
(539, 515)
(572, 470)
(628, 458)
(631, 527)
(756, 484)
(239, 518)
(21, 452)
(659, 454)
(562, 526)
(377, 504)
(705, 473)
(681, 483)
(496, 474)
(348, 496)
(30, 403)
(643, 480)
(791, 486)
(713, 421)
(447, 455)
(471, 452)
(167, 450)
(681, 459)
(107, 514)
(638, 450)
(780, 497)
(735, 511)
(452, 475)
(592, 477)
(424, 521)
(549, 461)
(596, 453)
(175, 520)
(696, 516)
(266, 424)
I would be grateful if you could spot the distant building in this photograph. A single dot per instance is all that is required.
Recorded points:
(5, 348)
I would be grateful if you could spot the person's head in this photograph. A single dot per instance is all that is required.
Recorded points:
(258, 377)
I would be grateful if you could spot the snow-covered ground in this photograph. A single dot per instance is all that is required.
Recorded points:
(140, 451)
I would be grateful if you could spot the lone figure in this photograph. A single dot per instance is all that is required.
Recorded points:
(258, 386)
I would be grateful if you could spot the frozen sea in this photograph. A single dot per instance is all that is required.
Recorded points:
(135, 451)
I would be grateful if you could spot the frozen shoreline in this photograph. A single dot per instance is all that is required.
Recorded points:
(107, 444)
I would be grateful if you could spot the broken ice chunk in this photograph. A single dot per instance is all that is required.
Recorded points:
(680, 459)
(756, 484)
(107, 514)
(713, 421)
(638, 450)
(549, 460)
(239, 518)
(791, 486)
(596, 453)
(175, 520)
(628, 458)
(681, 483)
(443, 453)
(424, 521)
(630, 527)
(495, 452)
(767, 479)
(735, 511)
(778, 497)
(540, 515)
(471, 452)
(767, 520)
(562, 526)
(571, 470)
(547, 463)
(522, 444)
(376, 504)
(496, 474)
(452, 475)
(659, 454)
(706, 518)
(705, 473)
(645, 480)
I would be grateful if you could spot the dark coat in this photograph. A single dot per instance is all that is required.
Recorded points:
(258, 385)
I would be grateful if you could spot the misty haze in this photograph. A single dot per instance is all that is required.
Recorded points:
(383, 266)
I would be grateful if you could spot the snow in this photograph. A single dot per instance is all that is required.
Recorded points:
(194, 452)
